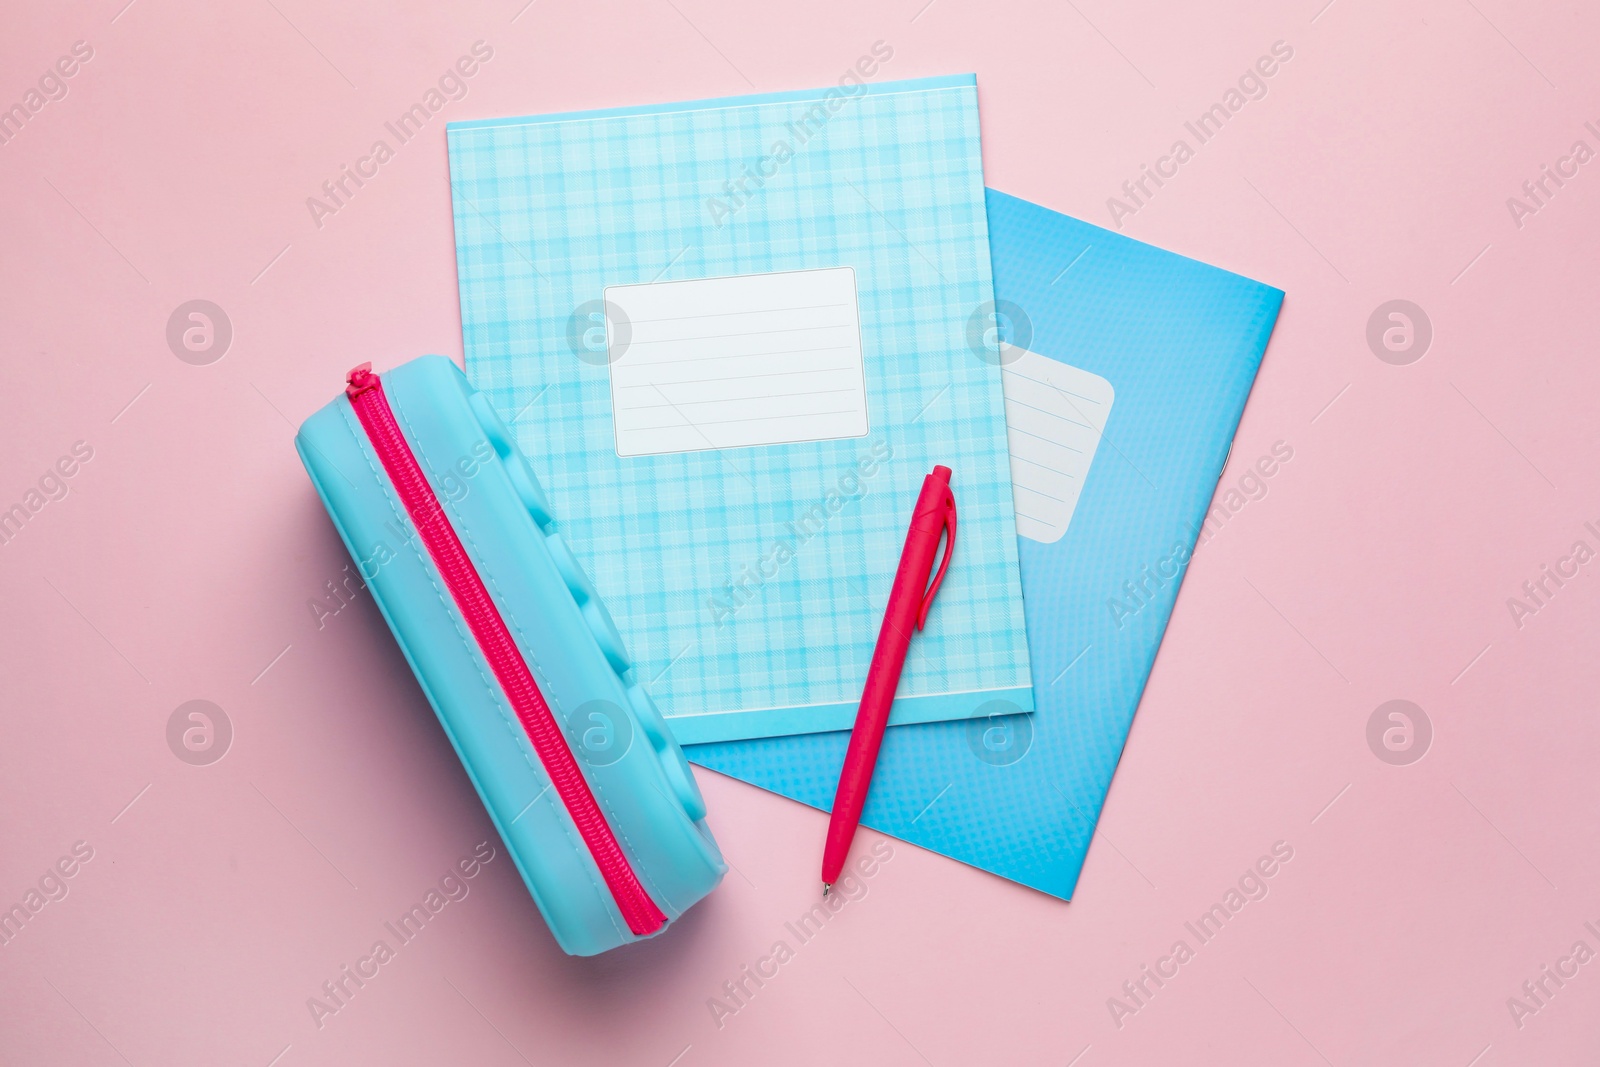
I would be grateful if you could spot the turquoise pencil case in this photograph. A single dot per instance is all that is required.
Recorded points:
(515, 651)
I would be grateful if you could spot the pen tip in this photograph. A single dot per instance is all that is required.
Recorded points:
(825, 887)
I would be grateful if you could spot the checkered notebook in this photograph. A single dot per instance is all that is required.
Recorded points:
(732, 337)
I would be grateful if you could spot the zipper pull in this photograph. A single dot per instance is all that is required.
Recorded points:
(359, 380)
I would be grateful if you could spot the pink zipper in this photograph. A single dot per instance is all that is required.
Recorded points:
(499, 648)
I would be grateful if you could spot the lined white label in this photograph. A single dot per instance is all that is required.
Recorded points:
(1055, 414)
(758, 359)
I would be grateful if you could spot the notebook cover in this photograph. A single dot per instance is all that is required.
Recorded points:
(749, 580)
(1179, 342)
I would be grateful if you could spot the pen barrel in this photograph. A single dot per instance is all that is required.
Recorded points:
(888, 659)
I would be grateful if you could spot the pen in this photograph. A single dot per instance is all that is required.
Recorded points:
(909, 601)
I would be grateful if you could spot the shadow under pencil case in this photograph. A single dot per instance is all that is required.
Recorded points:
(515, 651)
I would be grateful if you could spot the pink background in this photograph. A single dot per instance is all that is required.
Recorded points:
(1420, 497)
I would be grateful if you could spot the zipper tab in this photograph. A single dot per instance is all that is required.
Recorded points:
(499, 648)
(359, 380)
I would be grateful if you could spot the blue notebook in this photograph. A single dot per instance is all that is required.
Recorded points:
(1126, 371)
(732, 337)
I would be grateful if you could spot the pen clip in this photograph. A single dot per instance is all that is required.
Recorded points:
(944, 564)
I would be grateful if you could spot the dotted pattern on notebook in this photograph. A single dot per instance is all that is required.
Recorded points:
(1181, 342)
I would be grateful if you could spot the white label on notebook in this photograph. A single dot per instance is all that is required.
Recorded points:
(1055, 414)
(758, 359)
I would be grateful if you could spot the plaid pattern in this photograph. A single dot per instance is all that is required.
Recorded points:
(550, 211)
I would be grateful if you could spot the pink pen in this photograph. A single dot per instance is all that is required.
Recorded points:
(909, 601)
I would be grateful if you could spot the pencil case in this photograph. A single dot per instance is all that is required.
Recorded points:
(515, 651)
